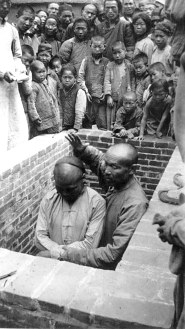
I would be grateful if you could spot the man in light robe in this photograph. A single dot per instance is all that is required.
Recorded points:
(71, 214)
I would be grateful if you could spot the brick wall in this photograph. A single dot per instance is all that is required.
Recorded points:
(154, 155)
(26, 176)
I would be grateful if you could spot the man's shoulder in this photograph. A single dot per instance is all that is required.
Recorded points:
(50, 195)
(94, 194)
(68, 42)
(136, 192)
(133, 192)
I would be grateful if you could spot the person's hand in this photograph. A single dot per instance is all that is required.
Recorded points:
(89, 97)
(159, 134)
(44, 253)
(9, 77)
(102, 97)
(75, 141)
(123, 133)
(110, 102)
(37, 122)
(130, 135)
(140, 138)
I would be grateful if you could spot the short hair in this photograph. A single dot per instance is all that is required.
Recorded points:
(158, 66)
(56, 3)
(55, 59)
(53, 17)
(38, 11)
(69, 67)
(160, 83)
(27, 49)
(33, 65)
(145, 18)
(22, 9)
(80, 20)
(92, 4)
(141, 56)
(117, 44)
(119, 4)
(97, 38)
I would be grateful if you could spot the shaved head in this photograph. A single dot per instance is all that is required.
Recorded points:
(67, 173)
(130, 95)
(124, 153)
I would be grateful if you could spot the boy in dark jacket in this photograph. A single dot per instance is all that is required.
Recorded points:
(128, 117)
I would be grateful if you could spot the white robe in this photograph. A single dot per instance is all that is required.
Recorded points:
(13, 125)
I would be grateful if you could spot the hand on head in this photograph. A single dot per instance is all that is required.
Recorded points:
(75, 141)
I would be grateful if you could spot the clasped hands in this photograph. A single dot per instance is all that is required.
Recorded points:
(55, 253)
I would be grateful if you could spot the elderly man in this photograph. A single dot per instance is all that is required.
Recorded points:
(89, 12)
(115, 28)
(126, 203)
(71, 214)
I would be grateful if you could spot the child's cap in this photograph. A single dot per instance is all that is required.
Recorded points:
(164, 27)
(45, 47)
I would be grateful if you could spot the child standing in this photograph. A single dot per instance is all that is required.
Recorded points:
(162, 49)
(157, 110)
(128, 117)
(25, 88)
(142, 27)
(45, 55)
(118, 80)
(77, 48)
(142, 77)
(42, 104)
(73, 100)
(91, 80)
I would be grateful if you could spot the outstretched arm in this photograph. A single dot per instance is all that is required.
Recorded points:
(107, 257)
(88, 154)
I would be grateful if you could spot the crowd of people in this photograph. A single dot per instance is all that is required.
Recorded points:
(114, 67)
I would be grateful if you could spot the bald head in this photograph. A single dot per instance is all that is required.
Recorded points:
(67, 173)
(124, 153)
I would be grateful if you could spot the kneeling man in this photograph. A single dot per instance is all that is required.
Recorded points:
(71, 214)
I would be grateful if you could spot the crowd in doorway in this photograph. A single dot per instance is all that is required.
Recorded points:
(115, 66)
